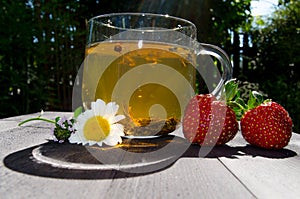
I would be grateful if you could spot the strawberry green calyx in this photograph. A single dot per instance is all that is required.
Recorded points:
(255, 99)
(230, 90)
(232, 96)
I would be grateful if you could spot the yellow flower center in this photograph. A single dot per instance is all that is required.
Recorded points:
(96, 128)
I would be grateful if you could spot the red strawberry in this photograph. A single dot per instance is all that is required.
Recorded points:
(209, 122)
(268, 125)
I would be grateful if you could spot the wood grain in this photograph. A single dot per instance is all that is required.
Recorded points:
(236, 170)
(268, 173)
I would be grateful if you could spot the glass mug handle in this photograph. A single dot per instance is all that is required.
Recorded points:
(222, 57)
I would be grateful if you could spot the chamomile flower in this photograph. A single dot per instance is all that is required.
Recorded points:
(98, 125)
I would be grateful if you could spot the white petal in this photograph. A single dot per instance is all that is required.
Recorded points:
(99, 143)
(81, 136)
(116, 118)
(113, 140)
(74, 138)
(85, 116)
(80, 118)
(111, 110)
(98, 107)
(117, 130)
(90, 142)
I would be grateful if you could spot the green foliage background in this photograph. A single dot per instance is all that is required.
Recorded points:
(42, 44)
(275, 63)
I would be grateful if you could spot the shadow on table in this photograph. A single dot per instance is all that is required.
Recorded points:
(135, 157)
(238, 151)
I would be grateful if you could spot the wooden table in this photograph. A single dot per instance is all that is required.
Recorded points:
(236, 170)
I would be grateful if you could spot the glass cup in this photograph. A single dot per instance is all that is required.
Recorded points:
(151, 66)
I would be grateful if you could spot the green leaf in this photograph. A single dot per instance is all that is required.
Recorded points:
(57, 119)
(255, 99)
(231, 89)
(77, 112)
(252, 101)
(258, 96)
(241, 102)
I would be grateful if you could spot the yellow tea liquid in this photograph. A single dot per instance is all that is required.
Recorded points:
(151, 83)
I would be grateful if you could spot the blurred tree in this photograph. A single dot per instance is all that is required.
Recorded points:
(20, 86)
(42, 46)
(59, 34)
(276, 65)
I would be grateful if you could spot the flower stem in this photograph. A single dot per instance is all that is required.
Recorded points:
(36, 118)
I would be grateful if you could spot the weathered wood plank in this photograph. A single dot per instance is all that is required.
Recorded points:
(32, 183)
(7, 125)
(187, 178)
(233, 171)
(48, 115)
(267, 173)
